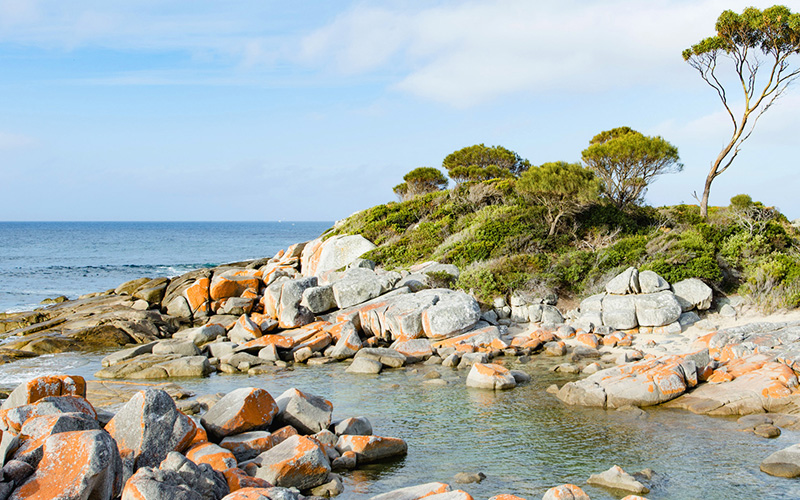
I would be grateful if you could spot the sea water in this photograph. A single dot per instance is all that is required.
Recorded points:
(39, 260)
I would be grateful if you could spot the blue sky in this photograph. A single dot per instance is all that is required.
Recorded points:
(266, 110)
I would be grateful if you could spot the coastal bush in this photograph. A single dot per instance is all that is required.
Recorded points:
(562, 188)
(481, 162)
(501, 276)
(627, 161)
(773, 282)
(420, 181)
(679, 255)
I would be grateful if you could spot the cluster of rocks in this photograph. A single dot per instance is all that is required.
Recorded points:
(644, 301)
(56, 445)
(735, 371)
(443, 491)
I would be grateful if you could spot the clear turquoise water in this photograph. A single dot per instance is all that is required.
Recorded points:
(524, 440)
(48, 259)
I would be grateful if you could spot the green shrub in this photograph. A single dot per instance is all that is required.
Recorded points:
(704, 267)
(499, 277)
(626, 252)
(741, 248)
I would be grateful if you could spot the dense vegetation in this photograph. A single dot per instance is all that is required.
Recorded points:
(500, 240)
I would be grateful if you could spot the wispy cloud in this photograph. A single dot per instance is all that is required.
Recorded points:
(465, 53)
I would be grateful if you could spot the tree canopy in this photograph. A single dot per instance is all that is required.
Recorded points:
(562, 188)
(760, 45)
(421, 180)
(481, 162)
(628, 161)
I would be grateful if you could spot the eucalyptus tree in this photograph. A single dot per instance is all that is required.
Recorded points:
(760, 47)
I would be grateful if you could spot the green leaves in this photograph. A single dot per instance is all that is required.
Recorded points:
(480, 163)
(419, 181)
(562, 188)
(774, 30)
(627, 161)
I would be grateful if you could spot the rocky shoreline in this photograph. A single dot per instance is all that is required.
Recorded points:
(320, 303)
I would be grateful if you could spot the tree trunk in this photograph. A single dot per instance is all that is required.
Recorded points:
(706, 192)
(554, 224)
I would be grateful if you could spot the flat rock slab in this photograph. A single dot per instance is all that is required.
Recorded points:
(414, 492)
(112, 394)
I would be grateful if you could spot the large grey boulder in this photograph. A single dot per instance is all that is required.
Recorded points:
(37, 429)
(490, 376)
(80, 464)
(624, 283)
(783, 463)
(318, 299)
(644, 383)
(177, 478)
(693, 294)
(307, 413)
(244, 330)
(248, 445)
(356, 286)
(241, 410)
(651, 282)
(148, 427)
(176, 346)
(353, 426)
(291, 314)
(454, 313)
(297, 462)
(404, 313)
(202, 334)
(619, 312)
(333, 253)
(657, 309)
(365, 366)
(550, 315)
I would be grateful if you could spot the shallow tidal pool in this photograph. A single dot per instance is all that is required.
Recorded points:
(524, 440)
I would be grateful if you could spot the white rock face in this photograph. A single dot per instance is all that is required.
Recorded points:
(693, 293)
(334, 253)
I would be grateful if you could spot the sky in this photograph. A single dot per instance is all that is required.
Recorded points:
(275, 110)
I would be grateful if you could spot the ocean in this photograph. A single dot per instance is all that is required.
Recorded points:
(47, 259)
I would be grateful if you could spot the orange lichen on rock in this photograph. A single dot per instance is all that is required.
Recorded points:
(197, 295)
(14, 418)
(719, 377)
(297, 462)
(335, 330)
(219, 458)
(506, 497)
(238, 479)
(78, 464)
(270, 339)
(565, 492)
(241, 410)
(588, 339)
(371, 448)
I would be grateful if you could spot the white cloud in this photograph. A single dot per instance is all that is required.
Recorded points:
(466, 53)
